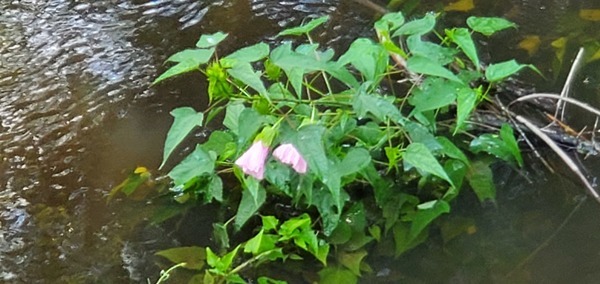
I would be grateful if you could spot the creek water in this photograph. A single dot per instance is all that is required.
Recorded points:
(78, 114)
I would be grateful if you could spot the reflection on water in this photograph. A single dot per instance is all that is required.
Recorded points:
(76, 111)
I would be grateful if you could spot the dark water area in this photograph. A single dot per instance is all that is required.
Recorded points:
(77, 114)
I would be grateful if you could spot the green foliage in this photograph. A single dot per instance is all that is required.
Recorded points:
(489, 26)
(370, 162)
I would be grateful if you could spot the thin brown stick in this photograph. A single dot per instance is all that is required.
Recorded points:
(557, 97)
(560, 107)
(568, 161)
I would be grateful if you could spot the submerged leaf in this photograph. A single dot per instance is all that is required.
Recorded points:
(481, 180)
(460, 5)
(336, 275)
(193, 257)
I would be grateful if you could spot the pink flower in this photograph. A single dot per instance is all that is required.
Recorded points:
(253, 160)
(287, 154)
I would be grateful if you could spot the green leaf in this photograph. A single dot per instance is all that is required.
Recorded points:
(337, 275)
(480, 178)
(135, 179)
(269, 223)
(507, 135)
(250, 121)
(403, 240)
(441, 55)
(187, 60)
(489, 25)
(433, 94)
(250, 53)
(417, 27)
(327, 204)
(352, 260)
(380, 107)
(225, 262)
(466, 101)
(220, 235)
(389, 22)
(186, 119)
(425, 214)
(252, 199)
(424, 65)
(498, 146)
(217, 142)
(499, 71)
(267, 280)
(232, 117)
(197, 163)
(305, 28)
(462, 38)
(260, 243)
(368, 58)
(419, 156)
(207, 41)
(355, 160)
(418, 133)
(215, 189)
(192, 256)
(450, 150)
(457, 171)
(309, 141)
(244, 72)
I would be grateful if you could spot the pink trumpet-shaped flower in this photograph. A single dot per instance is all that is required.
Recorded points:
(253, 160)
(289, 155)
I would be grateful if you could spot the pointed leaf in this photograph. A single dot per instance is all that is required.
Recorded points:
(497, 72)
(244, 72)
(211, 40)
(433, 94)
(252, 200)
(425, 214)
(441, 55)
(195, 164)
(465, 104)
(367, 57)
(355, 160)
(419, 156)
(305, 28)
(489, 25)
(423, 65)
(481, 180)
(186, 119)
(462, 38)
(187, 61)
(232, 117)
(417, 27)
(251, 53)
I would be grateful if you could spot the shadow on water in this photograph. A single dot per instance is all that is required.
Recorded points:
(78, 113)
